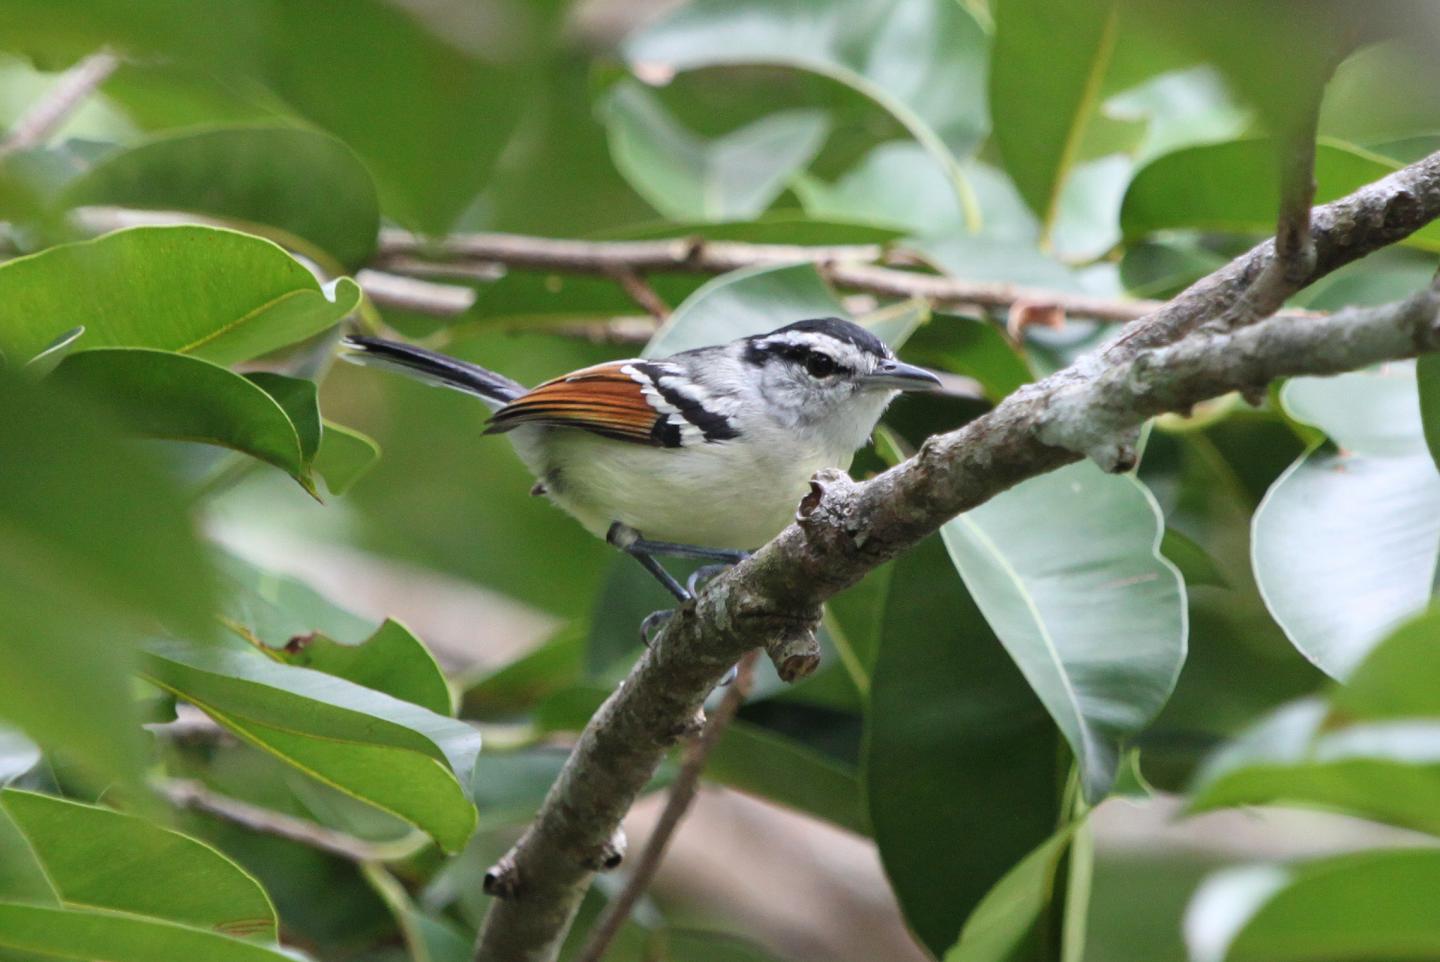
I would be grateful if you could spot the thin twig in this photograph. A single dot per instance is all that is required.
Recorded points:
(474, 257)
(682, 794)
(38, 124)
(414, 294)
(195, 796)
(640, 291)
(1290, 267)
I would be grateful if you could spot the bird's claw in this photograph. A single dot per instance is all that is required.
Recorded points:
(653, 622)
(695, 582)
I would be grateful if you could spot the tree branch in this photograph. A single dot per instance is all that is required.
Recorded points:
(682, 794)
(193, 795)
(845, 529)
(476, 257)
(46, 116)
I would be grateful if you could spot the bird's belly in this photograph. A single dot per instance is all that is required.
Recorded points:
(717, 495)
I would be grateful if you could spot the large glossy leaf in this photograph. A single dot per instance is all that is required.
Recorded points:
(1233, 187)
(73, 595)
(104, 859)
(898, 184)
(320, 196)
(428, 99)
(1346, 542)
(1005, 922)
(217, 294)
(1387, 771)
(392, 660)
(395, 755)
(1368, 905)
(345, 456)
(1427, 374)
(783, 770)
(166, 395)
(85, 934)
(1371, 748)
(733, 177)
(924, 61)
(1067, 570)
(963, 769)
(1051, 57)
(759, 299)
(1394, 679)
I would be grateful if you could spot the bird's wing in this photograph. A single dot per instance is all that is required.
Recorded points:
(644, 402)
(607, 399)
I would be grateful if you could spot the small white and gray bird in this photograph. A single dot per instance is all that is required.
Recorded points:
(703, 454)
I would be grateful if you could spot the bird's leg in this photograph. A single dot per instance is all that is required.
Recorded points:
(628, 540)
(726, 556)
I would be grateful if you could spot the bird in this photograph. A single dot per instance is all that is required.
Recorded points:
(703, 454)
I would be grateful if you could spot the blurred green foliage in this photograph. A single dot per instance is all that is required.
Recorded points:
(1243, 622)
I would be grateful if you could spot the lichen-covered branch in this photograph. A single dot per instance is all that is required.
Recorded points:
(844, 529)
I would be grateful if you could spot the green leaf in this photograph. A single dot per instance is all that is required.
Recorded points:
(1233, 187)
(165, 395)
(508, 787)
(1050, 61)
(1067, 570)
(320, 195)
(1371, 748)
(973, 348)
(1366, 905)
(780, 769)
(529, 679)
(1007, 918)
(898, 184)
(217, 294)
(47, 360)
(1394, 679)
(392, 660)
(299, 398)
(1427, 374)
(1386, 771)
(73, 594)
(428, 101)
(272, 609)
(961, 767)
(733, 177)
(1194, 564)
(923, 61)
(103, 859)
(1345, 544)
(760, 299)
(345, 456)
(74, 933)
(397, 756)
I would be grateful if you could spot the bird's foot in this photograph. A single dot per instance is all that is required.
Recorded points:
(652, 623)
(703, 574)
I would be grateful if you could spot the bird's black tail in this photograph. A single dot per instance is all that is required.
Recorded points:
(432, 368)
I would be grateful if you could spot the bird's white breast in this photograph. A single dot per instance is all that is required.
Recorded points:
(736, 494)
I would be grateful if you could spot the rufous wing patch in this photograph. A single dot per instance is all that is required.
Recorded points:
(606, 399)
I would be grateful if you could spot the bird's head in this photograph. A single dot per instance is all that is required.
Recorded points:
(829, 374)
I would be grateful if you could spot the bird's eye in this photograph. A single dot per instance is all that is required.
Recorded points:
(819, 365)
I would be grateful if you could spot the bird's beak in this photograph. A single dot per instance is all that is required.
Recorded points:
(899, 376)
